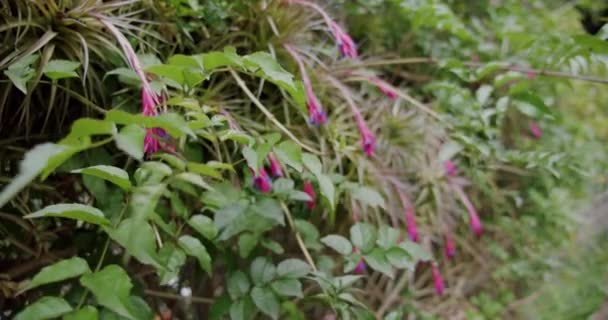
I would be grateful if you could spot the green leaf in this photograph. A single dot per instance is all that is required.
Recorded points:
(203, 225)
(266, 301)
(111, 287)
(238, 285)
(262, 271)
(59, 271)
(130, 140)
(449, 150)
(533, 100)
(59, 69)
(84, 313)
(327, 191)
(88, 127)
(251, 157)
(220, 307)
(309, 233)
(204, 170)
(269, 208)
(21, 71)
(312, 163)
(44, 308)
(400, 258)
(272, 246)
(172, 160)
(222, 195)
(137, 237)
(292, 268)
(282, 186)
(236, 136)
(144, 200)
(216, 59)
(267, 66)
(387, 236)
(115, 175)
(338, 243)
(363, 236)
(172, 259)
(368, 196)
(287, 287)
(290, 154)
(242, 309)
(595, 44)
(74, 211)
(193, 247)
(247, 242)
(193, 179)
(34, 162)
(416, 251)
(378, 261)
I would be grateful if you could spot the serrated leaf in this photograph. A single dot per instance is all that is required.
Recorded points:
(137, 237)
(130, 140)
(377, 260)
(59, 271)
(44, 308)
(262, 271)
(193, 247)
(416, 251)
(312, 163)
(269, 208)
(238, 285)
(203, 225)
(74, 211)
(112, 288)
(115, 175)
(59, 69)
(338, 243)
(399, 258)
(247, 242)
(84, 313)
(290, 154)
(363, 236)
(287, 287)
(292, 268)
(387, 236)
(266, 301)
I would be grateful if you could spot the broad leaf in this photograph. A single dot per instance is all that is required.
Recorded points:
(193, 247)
(290, 154)
(292, 268)
(44, 308)
(262, 271)
(75, 211)
(399, 258)
(59, 271)
(266, 301)
(115, 175)
(84, 313)
(112, 288)
(59, 69)
(137, 237)
(269, 208)
(238, 285)
(338, 243)
(363, 236)
(287, 287)
(378, 261)
(130, 140)
(203, 225)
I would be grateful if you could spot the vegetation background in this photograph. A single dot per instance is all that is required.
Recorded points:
(300, 159)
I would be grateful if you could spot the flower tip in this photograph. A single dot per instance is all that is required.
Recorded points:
(262, 181)
(437, 280)
(450, 168)
(310, 191)
(535, 130)
(361, 267)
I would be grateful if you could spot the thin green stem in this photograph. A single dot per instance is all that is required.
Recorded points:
(298, 237)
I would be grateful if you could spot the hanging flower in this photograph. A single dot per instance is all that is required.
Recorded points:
(368, 140)
(310, 191)
(315, 110)
(450, 246)
(437, 279)
(535, 130)
(360, 267)
(474, 220)
(384, 87)
(262, 181)
(346, 45)
(450, 168)
(275, 166)
(410, 221)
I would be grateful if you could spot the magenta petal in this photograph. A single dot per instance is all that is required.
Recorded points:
(437, 280)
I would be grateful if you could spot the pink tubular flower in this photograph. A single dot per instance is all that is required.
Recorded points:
(437, 280)
(344, 41)
(361, 267)
(531, 75)
(535, 130)
(450, 168)
(275, 166)
(310, 191)
(384, 87)
(262, 181)
(450, 246)
(368, 140)
(315, 110)
(474, 220)
(410, 217)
